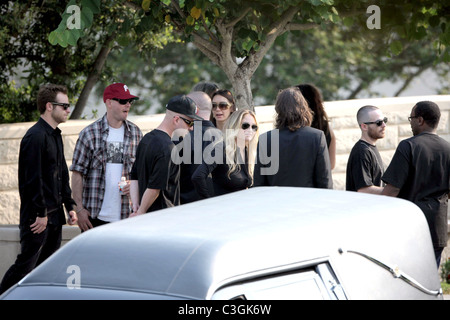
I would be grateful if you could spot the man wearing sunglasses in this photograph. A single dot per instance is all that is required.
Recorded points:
(420, 172)
(197, 140)
(105, 152)
(365, 166)
(43, 185)
(155, 178)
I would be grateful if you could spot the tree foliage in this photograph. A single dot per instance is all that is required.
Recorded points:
(236, 35)
(69, 43)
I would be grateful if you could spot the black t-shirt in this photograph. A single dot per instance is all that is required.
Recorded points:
(420, 168)
(364, 167)
(154, 169)
(293, 158)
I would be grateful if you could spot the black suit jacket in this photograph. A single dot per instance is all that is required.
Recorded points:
(293, 158)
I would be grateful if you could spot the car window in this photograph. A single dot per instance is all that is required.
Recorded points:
(317, 283)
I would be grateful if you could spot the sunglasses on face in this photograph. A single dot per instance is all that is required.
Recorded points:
(221, 105)
(123, 101)
(65, 106)
(188, 122)
(378, 122)
(246, 125)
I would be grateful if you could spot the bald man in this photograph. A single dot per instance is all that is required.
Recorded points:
(365, 166)
(203, 135)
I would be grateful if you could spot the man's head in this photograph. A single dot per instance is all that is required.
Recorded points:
(118, 100)
(183, 110)
(292, 110)
(208, 87)
(203, 102)
(53, 103)
(425, 116)
(372, 123)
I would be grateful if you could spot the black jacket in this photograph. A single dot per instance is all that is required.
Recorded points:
(43, 175)
(297, 159)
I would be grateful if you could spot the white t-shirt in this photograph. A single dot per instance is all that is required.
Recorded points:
(112, 204)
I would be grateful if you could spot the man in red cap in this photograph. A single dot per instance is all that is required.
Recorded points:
(104, 153)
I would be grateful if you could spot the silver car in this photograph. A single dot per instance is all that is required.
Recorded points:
(261, 243)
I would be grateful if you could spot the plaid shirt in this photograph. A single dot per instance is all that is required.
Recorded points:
(89, 158)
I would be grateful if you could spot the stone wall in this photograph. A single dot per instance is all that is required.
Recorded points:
(341, 113)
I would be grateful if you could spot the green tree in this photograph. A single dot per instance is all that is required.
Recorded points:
(236, 35)
(28, 58)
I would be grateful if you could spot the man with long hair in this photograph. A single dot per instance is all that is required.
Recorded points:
(303, 159)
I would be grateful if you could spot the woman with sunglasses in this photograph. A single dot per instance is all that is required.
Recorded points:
(232, 160)
(222, 107)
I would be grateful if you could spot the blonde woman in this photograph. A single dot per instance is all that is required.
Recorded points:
(231, 162)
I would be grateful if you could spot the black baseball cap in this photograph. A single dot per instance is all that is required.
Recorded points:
(184, 105)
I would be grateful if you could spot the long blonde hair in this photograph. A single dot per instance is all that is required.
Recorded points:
(231, 130)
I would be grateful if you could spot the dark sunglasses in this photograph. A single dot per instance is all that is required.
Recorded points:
(246, 125)
(65, 106)
(221, 105)
(188, 122)
(378, 122)
(123, 101)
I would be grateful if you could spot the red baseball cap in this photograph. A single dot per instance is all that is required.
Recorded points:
(118, 91)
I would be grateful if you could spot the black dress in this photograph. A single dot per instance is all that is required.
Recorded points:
(240, 179)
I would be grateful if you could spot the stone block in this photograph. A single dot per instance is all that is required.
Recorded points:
(339, 181)
(9, 150)
(69, 146)
(9, 180)
(9, 207)
(344, 123)
(346, 139)
(341, 163)
(390, 139)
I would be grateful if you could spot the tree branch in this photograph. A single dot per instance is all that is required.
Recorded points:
(177, 7)
(131, 5)
(301, 26)
(235, 21)
(276, 29)
(210, 50)
(211, 35)
(93, 77)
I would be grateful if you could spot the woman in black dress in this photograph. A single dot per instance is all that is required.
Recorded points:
(231, 162)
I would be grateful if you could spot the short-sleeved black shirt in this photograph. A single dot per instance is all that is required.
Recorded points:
(420, 168)
(364, 167)
(154, 169)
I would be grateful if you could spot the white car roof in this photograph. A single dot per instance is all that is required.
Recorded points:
(191, 250)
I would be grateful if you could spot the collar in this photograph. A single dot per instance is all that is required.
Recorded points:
(48, 128)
